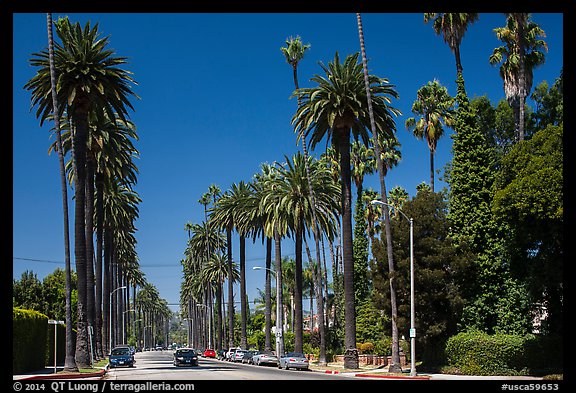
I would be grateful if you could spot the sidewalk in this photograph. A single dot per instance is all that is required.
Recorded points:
(48, 373)
(368, 371)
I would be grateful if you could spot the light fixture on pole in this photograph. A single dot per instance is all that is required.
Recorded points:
(110, 315)
(412, 314)
(278, 332)
(123, 326)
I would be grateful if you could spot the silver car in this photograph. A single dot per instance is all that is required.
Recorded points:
(265, 358)
(293, 360)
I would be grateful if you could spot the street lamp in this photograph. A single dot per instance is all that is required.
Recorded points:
(110, 316)
(123, 326)
(412, 316)
(278, 333)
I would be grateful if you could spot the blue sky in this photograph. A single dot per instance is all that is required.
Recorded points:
(215, 104)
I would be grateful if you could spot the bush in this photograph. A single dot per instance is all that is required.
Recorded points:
(478, 353)
(29, 331)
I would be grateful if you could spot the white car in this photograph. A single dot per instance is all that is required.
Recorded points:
(229, 353)
(238, 355)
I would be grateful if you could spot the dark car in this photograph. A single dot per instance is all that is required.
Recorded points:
(247, 358)
(185, 357)
(221, 354)
(121, 356)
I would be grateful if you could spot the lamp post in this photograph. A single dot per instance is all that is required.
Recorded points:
(124, 326)
(187, 331)
(110, 317)
(278, 332)
(412, 315)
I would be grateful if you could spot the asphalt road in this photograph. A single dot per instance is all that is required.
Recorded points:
(158, 365)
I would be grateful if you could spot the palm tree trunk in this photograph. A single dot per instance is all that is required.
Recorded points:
(268, 295)
(230, 290)
(69, 361)
(520, 21)
(89, 210)
(395, 366)
(279, 302)
(351, 354)
(99, 255)
(80, 117)
(432, 170)
(243, 305)
(298, 316)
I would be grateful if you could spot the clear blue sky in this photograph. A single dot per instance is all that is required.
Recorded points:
(215, 104)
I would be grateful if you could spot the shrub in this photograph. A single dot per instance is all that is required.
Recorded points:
(29, 331)
(478, 353)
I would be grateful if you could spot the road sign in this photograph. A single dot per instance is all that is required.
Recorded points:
(53, 322)
(412, 333)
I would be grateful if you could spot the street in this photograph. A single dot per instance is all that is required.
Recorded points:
(158, 365)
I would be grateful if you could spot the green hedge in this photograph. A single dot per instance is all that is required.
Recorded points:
(478, 353)
(29, 330)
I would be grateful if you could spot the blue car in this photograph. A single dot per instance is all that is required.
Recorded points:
(121, 357)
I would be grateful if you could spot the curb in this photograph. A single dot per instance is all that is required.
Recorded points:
(391, 376)
(65, 376)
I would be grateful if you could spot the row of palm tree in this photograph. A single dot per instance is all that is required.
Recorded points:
(80, 86)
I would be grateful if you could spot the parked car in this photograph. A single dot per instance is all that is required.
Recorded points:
(247, 358)
(293, 360)
(221, 354)
(230, 353)
(209, 353)
(238, 355)
(185, 357)
(121, 356)
(265, 358)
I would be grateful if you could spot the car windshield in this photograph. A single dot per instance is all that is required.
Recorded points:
(185, 352)
(120, 351)
(295, 354)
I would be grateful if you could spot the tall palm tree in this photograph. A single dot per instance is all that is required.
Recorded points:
(377, 137)
(435, 107)
(69, 362)
(336, 108)
(88, 80)
(294, 52)
(452, 26)
(521, 53)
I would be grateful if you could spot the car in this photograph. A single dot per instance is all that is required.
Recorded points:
(229, 353)
(265, 358)
(121, 356)
(295, 360)
(158, 348)
(221, 354)
(209, 353)
(247, 358)
(185, 357)
(238, 355)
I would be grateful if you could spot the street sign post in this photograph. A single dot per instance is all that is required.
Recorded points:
(54, 322)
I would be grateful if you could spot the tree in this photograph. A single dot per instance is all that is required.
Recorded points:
(387, 133)
(88, 80)
(549, 103)
(69, 362)
(334, 108)
(434, 106)
(521, 53)
(528, 201)
(452, 26)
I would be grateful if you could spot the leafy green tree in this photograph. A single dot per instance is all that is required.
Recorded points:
(549, 103)
(529, 202)
(487, 287)
(27, 292)
(54, 295)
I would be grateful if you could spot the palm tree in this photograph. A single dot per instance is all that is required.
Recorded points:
(335, 109)
(435, 107)
(88, 80)
(294, 52)
(452, 26)
(377, 137)
(521, 37)
(69, 362)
